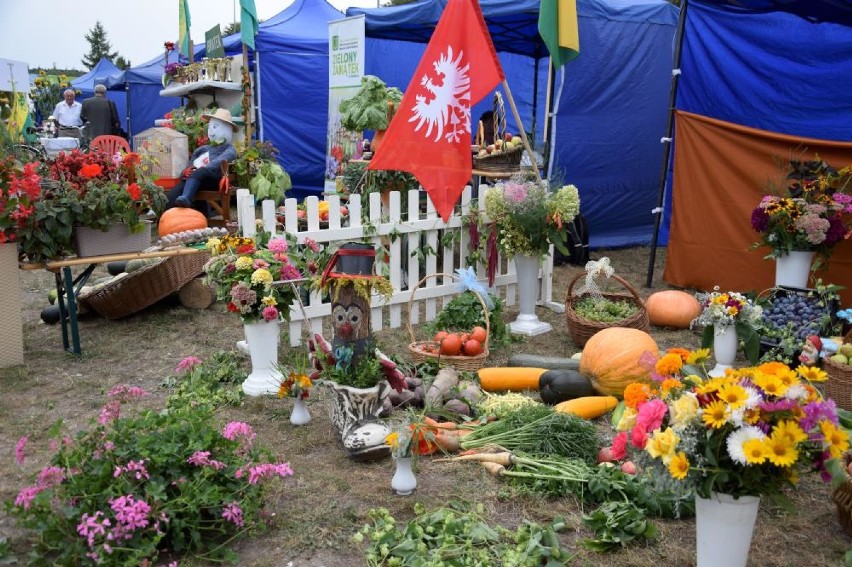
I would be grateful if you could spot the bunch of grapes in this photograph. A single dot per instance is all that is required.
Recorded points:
(795, 315)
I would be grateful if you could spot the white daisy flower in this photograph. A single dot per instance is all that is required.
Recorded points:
(736, 440)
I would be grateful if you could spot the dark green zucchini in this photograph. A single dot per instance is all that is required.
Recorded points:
(557, 386)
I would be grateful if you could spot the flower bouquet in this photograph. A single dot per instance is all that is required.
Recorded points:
(528, 218)
(812, 213)
(722, 310)
(243, 275)
(297, 385)
(748, 433)
(19, 191)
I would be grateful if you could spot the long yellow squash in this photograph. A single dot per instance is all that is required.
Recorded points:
(588, 407)
(514, 379)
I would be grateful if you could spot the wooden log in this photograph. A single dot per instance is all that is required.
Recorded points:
(196, 295)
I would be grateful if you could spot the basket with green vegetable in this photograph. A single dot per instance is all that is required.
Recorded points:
(589, 310)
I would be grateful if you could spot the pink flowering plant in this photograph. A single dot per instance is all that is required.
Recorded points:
(812, 214)
(142, 485)
(215, 381)
(244, 273)
(528, 217)
(751, 432)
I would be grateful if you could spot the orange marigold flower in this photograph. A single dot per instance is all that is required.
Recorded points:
(669, 364)
(635, 394)
(668, 385)
(682, 352)
(773, 367)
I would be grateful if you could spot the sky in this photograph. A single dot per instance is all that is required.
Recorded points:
(47, 32)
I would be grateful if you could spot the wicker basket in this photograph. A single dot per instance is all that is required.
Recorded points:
(507, 162)
(581, 330)
(138, 290)
(842, 497)
(839, 384)
(465, 363)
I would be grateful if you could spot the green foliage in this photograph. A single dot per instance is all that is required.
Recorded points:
(604, 310)
(606, 483)
(617, 524)
(131, 486)
(214, 382)
(257, 168)
(188, 121)
(358, 372)
(454, 536)
(99, 46)
(464, 312)
(270, 182)
(368, 108)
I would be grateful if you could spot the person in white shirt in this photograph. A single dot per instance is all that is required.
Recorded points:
(67, 113)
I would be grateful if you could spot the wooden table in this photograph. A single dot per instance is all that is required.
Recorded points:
(68, 287)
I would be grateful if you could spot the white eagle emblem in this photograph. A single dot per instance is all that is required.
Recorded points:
(447, 103)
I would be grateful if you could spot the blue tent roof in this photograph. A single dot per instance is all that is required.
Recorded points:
(513, 24)
(104, 73)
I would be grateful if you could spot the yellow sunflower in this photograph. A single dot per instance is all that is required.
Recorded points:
(733, 394)
(812, 373)
(780, 451)
(770, 383)
(697, 356)
(790, 430)
(755, 451)
(715, 414)
(836, 439)
(679, 466)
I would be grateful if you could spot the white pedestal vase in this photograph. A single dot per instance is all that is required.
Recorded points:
(723, 529)
(725, 343)
(528, 322)
(403, 482)
(262, 337)
(793, 269)
(300, 414)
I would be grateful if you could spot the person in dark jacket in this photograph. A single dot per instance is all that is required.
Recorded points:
(205, 164)
(101, 114)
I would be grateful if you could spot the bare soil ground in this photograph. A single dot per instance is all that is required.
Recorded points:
(318, 510)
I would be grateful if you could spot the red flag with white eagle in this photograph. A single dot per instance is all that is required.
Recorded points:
(429, 136)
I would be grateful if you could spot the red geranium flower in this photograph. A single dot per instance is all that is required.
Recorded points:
(135, 191)
(91, 170)
(232, 307)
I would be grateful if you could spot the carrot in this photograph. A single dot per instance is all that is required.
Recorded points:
(447, 442)
(495, 469)
(439, 424)
(505, 458)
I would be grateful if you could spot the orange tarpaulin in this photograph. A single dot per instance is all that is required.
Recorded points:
(721, 171)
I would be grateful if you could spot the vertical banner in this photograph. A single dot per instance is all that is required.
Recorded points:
(345, 69)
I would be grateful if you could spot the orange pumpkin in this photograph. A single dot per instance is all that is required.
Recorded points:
(611, 359)
(672, 308)
(179, 219)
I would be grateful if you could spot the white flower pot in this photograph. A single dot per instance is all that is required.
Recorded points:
(403, 482)
(725, 343)
(262, 338)
(528, 322)
(723, 529)
(793, 269)
(300, 415)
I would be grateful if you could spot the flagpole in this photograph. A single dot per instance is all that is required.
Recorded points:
(523, 134)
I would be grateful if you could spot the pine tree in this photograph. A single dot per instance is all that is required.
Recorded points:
(122, 63)
(99, 46)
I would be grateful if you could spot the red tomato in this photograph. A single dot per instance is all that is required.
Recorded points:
(451, 345)
(440, 336)
(472, 347)
(479, 333)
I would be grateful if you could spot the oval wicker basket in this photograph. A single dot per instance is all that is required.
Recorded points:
(842, 497)
(839, 384)
(465, 363)
(581, 329)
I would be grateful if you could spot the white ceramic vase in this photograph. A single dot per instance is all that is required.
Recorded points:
(528, 322)
(723, 529)
(262, 338)
(300, 414)
(725, 343)
(793, 269)
(403, 482)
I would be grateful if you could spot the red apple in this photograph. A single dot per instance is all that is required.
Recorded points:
(605, 455)
(344, 211)
(301, 214)
(508, 137)
(628, 467)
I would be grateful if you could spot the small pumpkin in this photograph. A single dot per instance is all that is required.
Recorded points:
(672, 308)
(611, 359)
(179, 219)
(556, 386)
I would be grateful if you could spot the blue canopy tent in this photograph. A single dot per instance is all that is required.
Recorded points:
(611, 107)
(107, 74)
(761, 81)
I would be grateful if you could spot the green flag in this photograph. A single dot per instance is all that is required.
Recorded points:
(183, 28)
(557, 26)
(248, 22)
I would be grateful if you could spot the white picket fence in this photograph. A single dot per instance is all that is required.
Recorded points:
(400, 233)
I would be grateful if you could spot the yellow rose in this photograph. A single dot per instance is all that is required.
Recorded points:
(628, 419)
(662, 444)
(683, 409)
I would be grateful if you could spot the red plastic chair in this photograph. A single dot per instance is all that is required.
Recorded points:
(110, 144)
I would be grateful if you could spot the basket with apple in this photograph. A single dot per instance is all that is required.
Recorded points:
(503, 153)
(839, 369)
